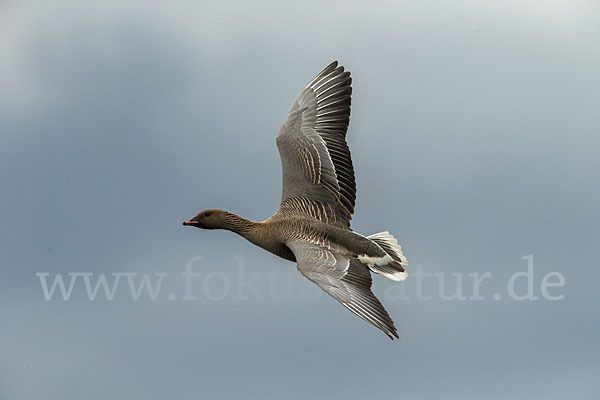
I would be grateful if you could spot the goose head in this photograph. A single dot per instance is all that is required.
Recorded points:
(209, 219)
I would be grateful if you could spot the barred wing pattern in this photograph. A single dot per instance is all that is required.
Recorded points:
(346, 280)
(318, 176)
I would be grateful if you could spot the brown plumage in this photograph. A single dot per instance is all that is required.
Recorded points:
(312, 224)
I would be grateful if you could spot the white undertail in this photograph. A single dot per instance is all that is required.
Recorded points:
(393, 266)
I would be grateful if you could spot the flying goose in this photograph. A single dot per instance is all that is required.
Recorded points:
(312, 225)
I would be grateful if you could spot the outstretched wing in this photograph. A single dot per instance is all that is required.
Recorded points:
(346, 280)
(318, 176)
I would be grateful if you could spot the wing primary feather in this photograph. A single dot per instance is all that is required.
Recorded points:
(345, 279)
(318, 122)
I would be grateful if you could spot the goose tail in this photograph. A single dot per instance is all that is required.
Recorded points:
(394, 269)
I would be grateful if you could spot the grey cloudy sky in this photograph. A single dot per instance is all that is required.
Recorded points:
(474, 134)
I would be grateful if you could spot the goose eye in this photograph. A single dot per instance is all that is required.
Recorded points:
(206, 214)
